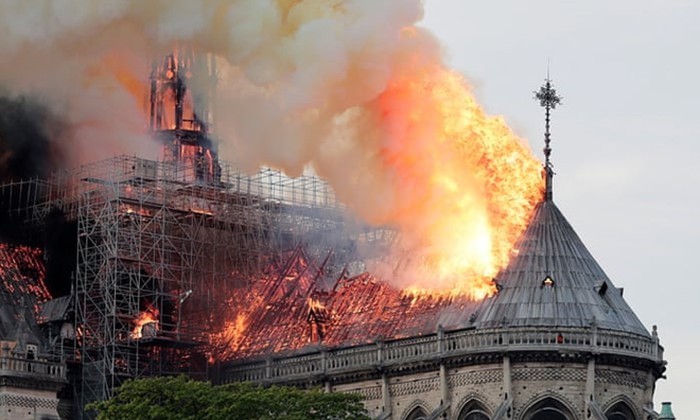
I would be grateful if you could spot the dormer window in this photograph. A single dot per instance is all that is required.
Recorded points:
(602, 288)
(32, 351)
(497, 285)
(548, 282)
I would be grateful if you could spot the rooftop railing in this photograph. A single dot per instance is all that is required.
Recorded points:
(440, 346)
(12, 366)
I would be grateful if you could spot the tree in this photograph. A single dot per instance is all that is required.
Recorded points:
(182, 398)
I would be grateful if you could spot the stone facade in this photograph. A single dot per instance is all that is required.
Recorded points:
(396, 397)
(28, 388)
(22, 403)
(29, 378)
(507, 374)
(557, 341)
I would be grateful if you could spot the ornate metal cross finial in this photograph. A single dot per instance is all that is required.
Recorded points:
(549, 100)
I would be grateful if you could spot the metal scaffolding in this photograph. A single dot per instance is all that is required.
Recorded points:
(164, 247)
(155, 240)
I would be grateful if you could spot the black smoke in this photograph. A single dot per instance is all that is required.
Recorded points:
(60, 252)
(29, 149)
(28, 133)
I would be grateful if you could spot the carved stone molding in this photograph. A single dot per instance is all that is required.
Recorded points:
(419, 386)
(475, 378)
(630, 379)
(14, 400)
(369, 393)
(549, 374)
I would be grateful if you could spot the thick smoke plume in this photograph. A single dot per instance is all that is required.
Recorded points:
(352, 87)
(27, 135)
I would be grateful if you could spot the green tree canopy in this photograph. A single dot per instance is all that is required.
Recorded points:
(182, 398)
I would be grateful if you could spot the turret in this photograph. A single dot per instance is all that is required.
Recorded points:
(666, 412)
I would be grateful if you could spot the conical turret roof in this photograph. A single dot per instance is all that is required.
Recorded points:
(552, 280)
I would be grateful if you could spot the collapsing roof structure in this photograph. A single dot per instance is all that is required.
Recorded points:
(292, 308)
(552, 280)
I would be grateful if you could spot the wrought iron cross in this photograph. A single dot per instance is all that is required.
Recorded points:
(549, 100)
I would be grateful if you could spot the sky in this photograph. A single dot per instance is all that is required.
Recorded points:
(625, 140)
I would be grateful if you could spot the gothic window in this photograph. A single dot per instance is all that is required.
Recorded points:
(417, 413)
(620, 411)
(548, 409)
(473, 411)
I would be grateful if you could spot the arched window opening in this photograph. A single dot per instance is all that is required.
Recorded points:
(473, 410)
(548, 409)
(417, 413)
(620, 411)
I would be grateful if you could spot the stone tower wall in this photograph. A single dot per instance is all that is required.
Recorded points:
(488, 384)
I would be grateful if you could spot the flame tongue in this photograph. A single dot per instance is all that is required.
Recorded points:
(315, 304)
(146, 319)
(466, 185)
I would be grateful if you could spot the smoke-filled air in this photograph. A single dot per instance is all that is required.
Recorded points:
(355, 89)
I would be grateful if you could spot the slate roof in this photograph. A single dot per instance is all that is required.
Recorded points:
(17, 323)
(581, 293)
(8, 317)
(22, 289)
(57, 309)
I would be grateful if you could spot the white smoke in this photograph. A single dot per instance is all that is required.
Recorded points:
(305, 63)
(300, 82)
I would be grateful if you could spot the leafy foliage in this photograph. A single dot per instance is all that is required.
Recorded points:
(182, 398)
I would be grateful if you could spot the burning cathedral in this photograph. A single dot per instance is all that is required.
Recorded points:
(131, 267)
(556, 340)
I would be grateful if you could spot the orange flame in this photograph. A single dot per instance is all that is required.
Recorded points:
(232, 334)
(149, 316)
(468, 184)
(315, 304)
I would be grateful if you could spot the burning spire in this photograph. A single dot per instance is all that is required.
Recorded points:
(549, 100)
(182, 86)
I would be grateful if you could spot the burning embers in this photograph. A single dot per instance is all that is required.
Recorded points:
(146, 324)
(317, 318)
(22, 274)
(294, 306)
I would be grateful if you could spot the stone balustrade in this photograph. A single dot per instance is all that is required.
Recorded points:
(11, 366)
(439, 346)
